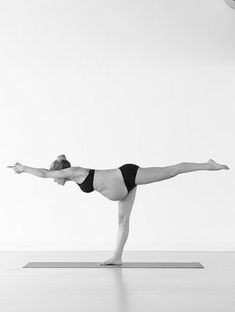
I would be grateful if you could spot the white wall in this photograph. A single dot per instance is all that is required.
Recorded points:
(107, 83)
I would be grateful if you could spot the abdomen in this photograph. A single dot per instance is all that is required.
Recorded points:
(110, 184)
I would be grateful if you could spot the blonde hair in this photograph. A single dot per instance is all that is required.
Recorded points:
(60, 163)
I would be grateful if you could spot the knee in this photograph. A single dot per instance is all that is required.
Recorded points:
(171, 171)
(179, 168)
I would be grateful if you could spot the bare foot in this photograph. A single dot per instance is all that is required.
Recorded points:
(111, 261)
(215, 166)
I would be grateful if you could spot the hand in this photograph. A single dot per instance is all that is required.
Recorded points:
(18, 168)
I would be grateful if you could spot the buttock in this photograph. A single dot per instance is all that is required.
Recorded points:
(129, 172)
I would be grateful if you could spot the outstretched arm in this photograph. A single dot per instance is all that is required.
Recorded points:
(44, 173)
(39, 172)
(70, 172)
(18, 168)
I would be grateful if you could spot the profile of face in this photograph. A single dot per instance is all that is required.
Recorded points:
(60, 181)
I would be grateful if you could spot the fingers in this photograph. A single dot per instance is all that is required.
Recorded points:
(14, 165)
(18, 168)
(14, 168)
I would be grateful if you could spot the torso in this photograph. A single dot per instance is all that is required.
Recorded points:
(108, 182)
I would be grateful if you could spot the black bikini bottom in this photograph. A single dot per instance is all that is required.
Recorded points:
(129, 173)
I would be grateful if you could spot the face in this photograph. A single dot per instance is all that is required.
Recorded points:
(60, 181)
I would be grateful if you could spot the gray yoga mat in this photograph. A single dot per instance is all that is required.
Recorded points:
(160, 265)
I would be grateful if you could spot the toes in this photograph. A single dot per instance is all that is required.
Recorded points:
(102, 264)
(109, 263)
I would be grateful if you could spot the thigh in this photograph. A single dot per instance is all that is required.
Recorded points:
(125, 205)
(154, 174)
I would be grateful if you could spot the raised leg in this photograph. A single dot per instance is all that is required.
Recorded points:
(124, 210)
(155, 174)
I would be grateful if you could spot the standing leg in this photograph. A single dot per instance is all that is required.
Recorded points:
(155, 174)
(124, 210)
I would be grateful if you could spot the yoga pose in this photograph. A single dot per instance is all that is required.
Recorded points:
(119, 184)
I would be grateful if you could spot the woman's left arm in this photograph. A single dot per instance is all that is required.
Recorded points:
(39, 172)
(70, 172)
(45, 173)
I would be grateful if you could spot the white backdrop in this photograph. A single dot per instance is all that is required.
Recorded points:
(107, 83)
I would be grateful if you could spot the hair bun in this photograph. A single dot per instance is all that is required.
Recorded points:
(61, 157)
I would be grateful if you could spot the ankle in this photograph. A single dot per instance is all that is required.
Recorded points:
(117, 256)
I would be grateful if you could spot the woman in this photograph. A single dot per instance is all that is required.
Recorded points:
(119, 184)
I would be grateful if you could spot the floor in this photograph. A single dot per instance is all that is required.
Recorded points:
(117, 290)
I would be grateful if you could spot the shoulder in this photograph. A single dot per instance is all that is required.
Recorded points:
(78, 173)
(75, 172)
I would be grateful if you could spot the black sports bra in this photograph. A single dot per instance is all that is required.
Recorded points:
(87, 185)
